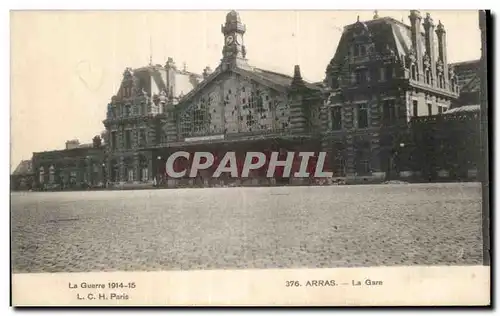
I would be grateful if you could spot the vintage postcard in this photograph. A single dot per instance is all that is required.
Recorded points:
(249, 158)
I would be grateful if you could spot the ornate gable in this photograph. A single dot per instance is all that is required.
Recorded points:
(230, 102)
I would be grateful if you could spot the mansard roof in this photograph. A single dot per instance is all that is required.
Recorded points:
(386, 33)
(155, 74)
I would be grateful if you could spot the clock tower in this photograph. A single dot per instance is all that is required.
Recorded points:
(233, 53)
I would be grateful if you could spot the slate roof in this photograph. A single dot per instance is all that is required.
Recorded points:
(464, 109)
(281, 79)
(24, 167)
(273, 79)
(385, 32)
(472, 85)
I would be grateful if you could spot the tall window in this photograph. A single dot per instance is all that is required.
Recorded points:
(389, 111)
(382, 74)
(362, 50)
(144, 176)
(415, 108)
(336, 118)
(388, 72)
(363, 158)
(427, 76)
(414, 72)
(429, 109)
(113, 140)
(52, 173)
(128, 139)
(362, 115)
(42, 175)
(440, 109)
(142, 137)
(127, 110)
(130, 174)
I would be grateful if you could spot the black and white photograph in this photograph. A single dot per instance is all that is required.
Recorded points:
(246, 140)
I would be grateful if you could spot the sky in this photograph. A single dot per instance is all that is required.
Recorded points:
(66, 65)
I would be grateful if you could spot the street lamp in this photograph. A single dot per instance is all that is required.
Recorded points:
(158, 173)
(104, 176)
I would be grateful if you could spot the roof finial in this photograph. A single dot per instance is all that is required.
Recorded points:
(150, 51)
(375, 14)
(358, 18)
(184, 67)
(297, 80)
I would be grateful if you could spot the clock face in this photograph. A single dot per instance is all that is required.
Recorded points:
(229, 40)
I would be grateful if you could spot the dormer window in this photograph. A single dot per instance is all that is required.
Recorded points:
(362, 51)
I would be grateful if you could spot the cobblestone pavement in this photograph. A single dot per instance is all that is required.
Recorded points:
(281, 227)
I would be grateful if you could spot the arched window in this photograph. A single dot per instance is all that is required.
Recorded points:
(52, 172)
(414, 72)
(441, 81)
(41, 175)
(427, 76)
(143, 169)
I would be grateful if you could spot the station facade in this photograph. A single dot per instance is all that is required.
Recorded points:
(383, 74)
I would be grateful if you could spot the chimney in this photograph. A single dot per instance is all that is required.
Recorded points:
(416, 19)
(429, 43)
(441, 34)
(71, 144)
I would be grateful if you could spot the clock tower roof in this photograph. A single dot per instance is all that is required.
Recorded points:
(234, 51)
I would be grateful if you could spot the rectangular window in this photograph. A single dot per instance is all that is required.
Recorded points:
(389, 111)
(429, 109)
(382, 74)
(389, 71)
(362, 115)
(142, 137)
(440, 109)
(131, 175)
(336, 118)
(415, 108)
(113, 140)
(128, 139)
(361, 76)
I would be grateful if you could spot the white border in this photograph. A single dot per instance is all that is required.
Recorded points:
(186, 4)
